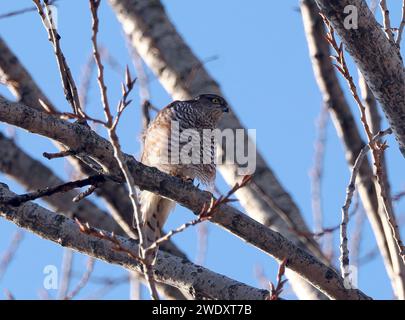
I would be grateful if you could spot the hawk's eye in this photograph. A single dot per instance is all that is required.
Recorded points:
(216, 101)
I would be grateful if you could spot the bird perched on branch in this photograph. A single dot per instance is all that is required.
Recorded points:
(176, 143)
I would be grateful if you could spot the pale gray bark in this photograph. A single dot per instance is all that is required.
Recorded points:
(374, 118)
(25, 89)
(183, 75)
(18, 80)
(378, 59)
(32, 174)
(198, 281)
(344, 122)
(78, 137)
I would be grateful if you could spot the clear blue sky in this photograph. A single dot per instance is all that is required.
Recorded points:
(265, 72)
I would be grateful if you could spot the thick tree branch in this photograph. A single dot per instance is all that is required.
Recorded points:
(20, 82)
(183, 75)
(377, 57)
(344, 122)
(32, 174)
(374, 118)
(198, 281)
(377, 148)
(77, 136)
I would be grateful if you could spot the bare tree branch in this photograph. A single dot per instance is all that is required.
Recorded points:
(75, 135)
(198, 281)
(84, 279)
(20, 82)
(10, 252)
(48, 191)
(317, 169)
(347, 130)
(32, 174)
(402, 25)
(68, 82)
(386, 20)
(278, 288)
(377, 57)
(111, 126)
(374, 119)
(344, 258)
(377, 148)
(67, 264)
(22, 11)
(183, 75)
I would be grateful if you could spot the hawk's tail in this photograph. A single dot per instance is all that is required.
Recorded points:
(155, 210)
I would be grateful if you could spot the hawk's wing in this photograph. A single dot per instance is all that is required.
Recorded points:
(156, 138)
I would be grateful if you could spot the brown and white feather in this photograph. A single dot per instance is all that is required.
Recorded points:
(158, 146)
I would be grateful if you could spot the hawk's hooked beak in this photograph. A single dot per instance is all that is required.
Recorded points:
(225, 109)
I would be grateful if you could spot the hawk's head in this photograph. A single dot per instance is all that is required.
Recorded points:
(212, 105)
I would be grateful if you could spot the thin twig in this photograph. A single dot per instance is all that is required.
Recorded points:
(10, 252)
(22, 11)
(9, 295)
(197, 67)
(108, 285)
(386, 20)
(144, 91)
(202, 241)
(66, 76)
(275, 291)
(173, 232)
(94, 4)
(87, 72)
(261, 277)
(101, 234)
(402, 25)
(317, 169)
(84, 279)
(86, 75)
(111, 125)
(377, 147)
(49, 191)
(206, 213)
(87, 229)
(324, 231)
(135, 287)
(86, 193)
(344, 258)
(357, 237)
(398, 196)
(61, 154)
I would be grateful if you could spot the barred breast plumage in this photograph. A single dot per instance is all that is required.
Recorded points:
(166, 149)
